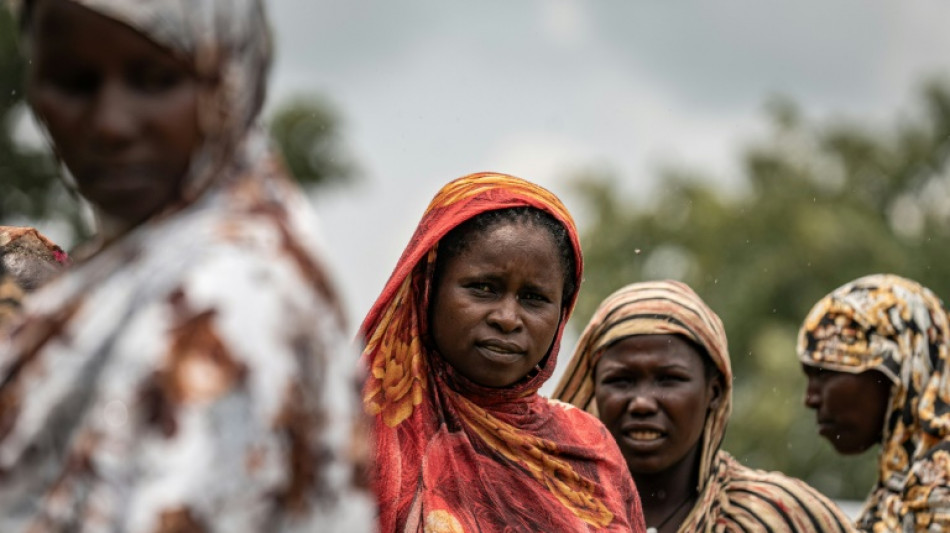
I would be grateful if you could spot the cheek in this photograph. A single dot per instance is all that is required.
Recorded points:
(610, 406)
(176, 116)
(545, 328)
(447, 322)
(59, 113)
(691, 407)
(838, 402)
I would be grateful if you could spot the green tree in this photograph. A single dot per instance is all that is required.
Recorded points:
(820, 204)
(307, 130)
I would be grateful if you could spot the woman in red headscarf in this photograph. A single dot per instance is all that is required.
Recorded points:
(457, 345)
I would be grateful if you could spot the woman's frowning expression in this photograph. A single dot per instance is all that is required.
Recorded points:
(121, 110)
(653, 395)
(850, 408)
(497, 304)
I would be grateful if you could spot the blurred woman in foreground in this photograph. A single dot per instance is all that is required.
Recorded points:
(192, 374)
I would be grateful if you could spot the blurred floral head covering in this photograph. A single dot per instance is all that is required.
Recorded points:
(227, 44)
(899, 328)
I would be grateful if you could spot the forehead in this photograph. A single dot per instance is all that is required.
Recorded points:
(651, 350)
(65, 27)
(509, 241)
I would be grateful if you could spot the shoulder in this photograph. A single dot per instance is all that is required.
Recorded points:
(778, 500)
(578, 418)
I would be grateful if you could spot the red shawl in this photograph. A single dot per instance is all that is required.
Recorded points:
(452, 455)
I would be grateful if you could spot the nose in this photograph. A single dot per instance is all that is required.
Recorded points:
(643, 403)
(112, 123)
(813, 393)
(505, 316)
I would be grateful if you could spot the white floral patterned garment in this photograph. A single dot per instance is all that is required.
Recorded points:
(193, 374)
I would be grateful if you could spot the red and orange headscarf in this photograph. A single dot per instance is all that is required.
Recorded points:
(452, 455)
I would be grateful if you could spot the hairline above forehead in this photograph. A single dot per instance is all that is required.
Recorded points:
(517, 216)
(486, 221)
(30, 32)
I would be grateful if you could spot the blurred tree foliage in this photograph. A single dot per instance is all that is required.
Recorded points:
(820, 204)
(305, 129)
(29, 187)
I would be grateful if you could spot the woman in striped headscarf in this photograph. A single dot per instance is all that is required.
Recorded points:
(457, 345)
(875, 352)
(653, 364)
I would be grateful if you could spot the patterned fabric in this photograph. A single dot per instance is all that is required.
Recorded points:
(27, 260)
(732, 497)
(895, 326)
(193, 374)
(455, 456)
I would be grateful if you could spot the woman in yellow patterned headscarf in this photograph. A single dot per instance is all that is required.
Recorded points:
(875, 353)
(653, 364)
(457, 345)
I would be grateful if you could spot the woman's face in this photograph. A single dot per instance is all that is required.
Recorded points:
(850, 408)
(121, 110)
(653, 396)
(497, 304)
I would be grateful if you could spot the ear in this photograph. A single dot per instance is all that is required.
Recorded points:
(715, 389)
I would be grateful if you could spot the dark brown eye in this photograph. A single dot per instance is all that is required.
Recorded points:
(76, 82)
(155, 78)
(480, 287)
(617, 382)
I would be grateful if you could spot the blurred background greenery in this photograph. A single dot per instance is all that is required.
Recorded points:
(817, 204)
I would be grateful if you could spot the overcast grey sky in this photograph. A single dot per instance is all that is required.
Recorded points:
(429, 90)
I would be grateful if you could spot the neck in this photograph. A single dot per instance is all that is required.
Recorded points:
(109, 228)
(663, 493)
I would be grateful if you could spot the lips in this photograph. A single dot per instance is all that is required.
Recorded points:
(501, 351)
(112, 174)
(643, 434)
(827, 428)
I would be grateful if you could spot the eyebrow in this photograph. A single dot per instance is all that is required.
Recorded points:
(674, 366)
(615, 366)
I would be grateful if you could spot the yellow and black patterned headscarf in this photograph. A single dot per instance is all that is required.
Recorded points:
(896, 326)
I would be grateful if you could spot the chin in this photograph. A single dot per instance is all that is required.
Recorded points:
(849, 448)
(638, 466)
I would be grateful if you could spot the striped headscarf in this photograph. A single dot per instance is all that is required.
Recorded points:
(452, 455)
(897, 327)
(731, 496)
